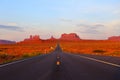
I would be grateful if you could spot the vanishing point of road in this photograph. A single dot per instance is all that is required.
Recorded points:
(59, 65)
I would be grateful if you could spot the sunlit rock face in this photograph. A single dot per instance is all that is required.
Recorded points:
(71, 36)
(114, 38)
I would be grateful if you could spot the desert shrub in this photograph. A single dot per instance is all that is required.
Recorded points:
(116, 52)
(7, 61)
(99, 51)
(38, 53)
(25, 56)
(1, 50)
(4, 56)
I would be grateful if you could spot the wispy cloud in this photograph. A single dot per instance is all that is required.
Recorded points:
(65, 20)
(90, 28)
(98, 25)
(89, 31)
(90, 25)
(82, 25)
(14, 28)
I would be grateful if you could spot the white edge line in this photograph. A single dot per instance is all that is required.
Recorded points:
(101, 61)
(6, 64)
(2, 65)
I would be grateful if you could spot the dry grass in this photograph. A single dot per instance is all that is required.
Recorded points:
(109, 48)
(10, 52)
(13, 52)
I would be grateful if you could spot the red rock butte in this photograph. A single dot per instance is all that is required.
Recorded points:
(32, 39)
(64, 37)
(114, 38)
(52, 38)
(36, 38)
(69, 37)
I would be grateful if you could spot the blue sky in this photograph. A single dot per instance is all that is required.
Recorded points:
(90, 19)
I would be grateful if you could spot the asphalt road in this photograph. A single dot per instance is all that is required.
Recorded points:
(62, 66)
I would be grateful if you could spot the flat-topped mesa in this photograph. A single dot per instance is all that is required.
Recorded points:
(70, 37)
(114, 38)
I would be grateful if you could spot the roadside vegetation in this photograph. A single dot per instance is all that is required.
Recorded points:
(94, 47)
(12, 52)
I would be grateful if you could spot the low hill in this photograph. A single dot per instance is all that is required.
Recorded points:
(7, 42)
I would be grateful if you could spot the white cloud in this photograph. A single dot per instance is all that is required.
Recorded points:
(65, 20)
(98, 30)
(113, 27)
(13, 28)
(12, 24)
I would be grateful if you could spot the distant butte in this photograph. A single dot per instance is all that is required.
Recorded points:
(69, 37)
(64, 37)
(36, 38)
(32, 39)
(52, 38)
(114, 38)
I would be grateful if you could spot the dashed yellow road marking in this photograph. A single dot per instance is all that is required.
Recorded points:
(58, 57)
(58, 63)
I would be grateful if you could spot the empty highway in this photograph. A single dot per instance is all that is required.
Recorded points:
(59, 65)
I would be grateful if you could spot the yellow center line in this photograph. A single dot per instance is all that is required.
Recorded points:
(58, 63)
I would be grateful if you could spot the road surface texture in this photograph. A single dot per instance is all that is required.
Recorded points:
(59, 65)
